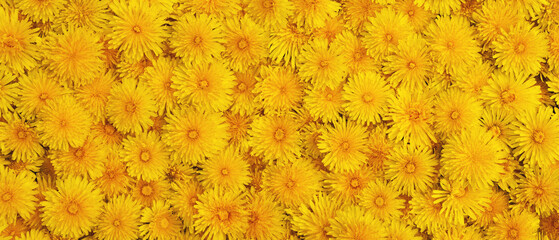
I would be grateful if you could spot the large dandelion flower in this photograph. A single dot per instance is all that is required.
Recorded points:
(114, 179)
(85, 160)
(279, 90)
(540, 188)
(522, 50)
(206, 85)
(194, 135)
(292, 183)
(514, 94)
(238, 126)
(17, 195)
(384, 31)
(322, 65)
(381, 200)
(120, 219)
(36, 89)
(357, 58)
(221, 215)
(89, 14)
(197, 38)
(63, 123)
(452, 43)
(312, 220)
(324, 103)
(417, 15)
(95, 95)
(149, 192)
(272, 14)
(226, 170)
(75, 55)
(410, 63)
(159, 79)
(18, 50)
(411, 169)
(265, 218)
(496, 18)
(344, 145)
(137, 29)
(275, 137)
(456, 111)
(347, 186)
(460, 201)
(19, 138)
(146, 156)
(356, 223)
(246, 43)
(367, 96)
(313, 14)
(473, 157)
(131, 106)
(411, 115)
(536, 137)
(515, 225)
(159, 222)
(71, 210)
(243, 93)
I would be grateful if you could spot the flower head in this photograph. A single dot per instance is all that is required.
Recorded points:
(384, 31)
(19, 138)
(292, 183)
(131, 106)
(313, 14)
(354, 222)
(410, 169)
(321, 64)
(312, 220)
(324, 103)
(272, 14)
(17, 195)
(225, 170)
(159, 222)
(410, 63)
(245, 43)
(275, 137)
(159, 79)
(367, 96)
(221, 214)
(455, 111)
(514, 94)
(146, 156)
(280, 89)
(381, 200)
(540, 188)
(120, 219)
(85, 160)
(265, 217)
(197, 38)
(460, 201)
(344, 145)
(514, 225)
(18, 50)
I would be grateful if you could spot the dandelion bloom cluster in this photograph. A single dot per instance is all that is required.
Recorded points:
(279, 119)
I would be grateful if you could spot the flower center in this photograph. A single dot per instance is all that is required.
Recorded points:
(538, 136)
(242, 87)
(450, 45)
(73, 208)
(7, 196)
(110, 174)
(203, 84)
(242, 44)
(224, 172)
(323, 63)
(164, 223)
(290, 183)
(130, 107)
(193, 134)
(167, 85)
(223, 215)
(137, 29)
(145, 156)
(513, 233)
(147, 190)
(43, 96)
(63, 123)
(267, 4)
(538, 191)
(489, 208)
(358, 55)
(411, 65)
(354, 183)
(345, 146)
(279, 134)
(520, 48)
(508, 97)
(79, 153)
(388, 37)
(193, 200)
(110, 130)
(496, 130)
(21, 134)
(454, 115)
(379, 201)
(411, 13)
(329, 96)
(367, 97)
(116, 223)
(410, 167)
(458, 193)
(197, 40)
(414, 114)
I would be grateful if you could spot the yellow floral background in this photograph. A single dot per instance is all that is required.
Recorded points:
(279, 119)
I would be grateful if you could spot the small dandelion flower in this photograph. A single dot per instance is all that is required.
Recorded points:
(120, 219)
(539, 189)
(455, 111)
(367, 96)
(106, 134)
(475, 79)
(357, 13)
(197, 38)
(17, 195)
(18, 50)
(410, 169)
(88, 14)
(460, 201)
(417, 15)
(85, 160)
(238, 126)
(159, 222)
(514, 94)
(397, 229)
(243, 93)
(344, 145)
(410, 63)
(275, 137)
(384, 31)
(245, 43)
(426, 213)
(496, 18)
(356, 223)
(95, 95)
(184, 200)
(292, 183)
(40, 11)
(265, 217)
(381, 200)
(34, 234)
(322, 65)
(442, 7)
(159, 79)
(216, 8)
(149, 192)
(221, 215)
(279, 90)
(515, 225)
(346, 186)
(19, 138)
(226, 170)
(312, 220)
(146, 156)
(271, 14)
(36, 88)
(287, 43)
(357, 58)
(497, 205)
(324, 103)
(313, 14)
(114, 179)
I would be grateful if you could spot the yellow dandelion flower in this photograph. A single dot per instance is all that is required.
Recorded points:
(379, 148)
(71, 210)
(312, 220)
(85, 160)
(36, 89)
(271, 14)
(88, 14)
(521, 50)
(417, 15)
(159, 79)
(17, 192)
(455, 111)
(442, 7)
(265, 218)
(397, 229)
(206, 85)
(137, 29)
(310, 135)
(322, 65)
(40, 11)
(509, 179)
(411, 114)
(159, 222)
(131, 106)
(149, 192)
(536, 137)
(460, 232)
(279, 89)
(245, 43)
(9, 91)
(357, 12)
(221, 215)
(120, 219)
(473, 157)
(226, 170)
(94, 96)
(130, 68)
(34, 234)
(344, 145)
(63, 123)
(114, 179)
(426, 213)
(356, 223)
(218, 8)
(475, 79)
(287, 43)
(410, 64)
(314, 14)
(238, 126)
(332, 29)
(531, 8)
(194, 134)
(460, 201)
(18, 50)
(74, 55)
(497, 205)
(367, 96)
(516, 225)
(184, 199)
(381, 200)
(411, 169)
(106, 134)
(495, 18)
(19, 138)
(384, 31)
(292, 183)
(539, 189)
(514, 94)
(13, 230)
(346, 186)
(275, 137)
(324, 103)
(146, 156)
(452, 42)
(498, 123)
(197, 38)
(553, 59)
(357, 58)
(243, 93)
